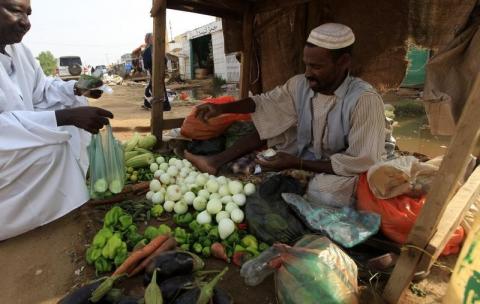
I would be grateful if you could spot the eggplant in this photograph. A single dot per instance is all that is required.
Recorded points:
(173, 263)
(82, 294)
(129, 300)
(220, 296)
(172, 287)
(188, 297)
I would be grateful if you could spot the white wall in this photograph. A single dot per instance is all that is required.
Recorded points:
(233, 68)
(219, 60)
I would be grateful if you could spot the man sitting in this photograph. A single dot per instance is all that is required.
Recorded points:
(324, 121)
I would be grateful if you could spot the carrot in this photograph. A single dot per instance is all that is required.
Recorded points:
(169, 244)
(138, 255)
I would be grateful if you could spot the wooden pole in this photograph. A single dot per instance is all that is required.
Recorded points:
(159, 14)
(248, 18)
(444, 185)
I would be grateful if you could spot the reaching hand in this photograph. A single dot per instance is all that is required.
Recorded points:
(208, 110)
(281, 161)
(90, 119)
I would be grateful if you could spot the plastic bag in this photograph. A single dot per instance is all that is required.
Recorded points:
(315, 270)
(399, 215)
(107, 169)
(196, 129)
(269, 218)
(343, 225)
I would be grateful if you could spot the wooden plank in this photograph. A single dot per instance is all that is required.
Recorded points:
(247, 53)
(205, 9)
(269, 5)
(158, 77)
(172, 123)
(452, 217)
(454, 163)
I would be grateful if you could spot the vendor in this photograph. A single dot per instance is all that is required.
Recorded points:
(324, 121)
(43, 157)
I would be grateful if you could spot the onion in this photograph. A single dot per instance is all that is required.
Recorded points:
(225, 228)
(186, 163)
(179, 164)
(204, 193)
(237, 215)
(222, 180)
(165, 178)
(180, 207)
(155, 185)
(158, 173)
(201, 180)
(172, 171)
(174, 193)
(153, 167)
(189, 180)
(184, 172)
(215, 195)
(239, 199)
(168, 206)
(223, 190)
(212, 186)
(149, 195)
(214, 206)
(226, 199)
(188, 197)
(172, 161)
(235, 187)
(163, 166)
(160, 160)
(204, 218)
(230, 207)
(221, 215)
(199, 203)
(157, 198)
(249, 189)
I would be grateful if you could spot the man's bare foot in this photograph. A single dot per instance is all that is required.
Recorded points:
(203, 163)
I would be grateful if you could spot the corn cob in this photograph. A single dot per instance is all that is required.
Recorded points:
(139, 161)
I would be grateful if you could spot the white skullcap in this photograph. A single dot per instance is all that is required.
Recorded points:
(331, 36)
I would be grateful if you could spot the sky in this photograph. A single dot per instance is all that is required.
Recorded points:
(99, 31)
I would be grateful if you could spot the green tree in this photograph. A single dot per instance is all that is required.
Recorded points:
(47, 62)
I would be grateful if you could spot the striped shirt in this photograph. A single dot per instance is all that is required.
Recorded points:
(276, 121)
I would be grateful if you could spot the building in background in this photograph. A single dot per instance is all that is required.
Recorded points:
(201, 54)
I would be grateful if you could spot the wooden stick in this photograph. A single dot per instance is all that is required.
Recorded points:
(246, 63)
(159, 11)
(444, 185)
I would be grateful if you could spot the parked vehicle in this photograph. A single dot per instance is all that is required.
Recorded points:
(69, 67)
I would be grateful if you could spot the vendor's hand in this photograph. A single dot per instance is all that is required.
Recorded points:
(281, 161)
(90, 119)
(88, 92)
(208, 110)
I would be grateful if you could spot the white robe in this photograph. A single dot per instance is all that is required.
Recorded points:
(42, 166)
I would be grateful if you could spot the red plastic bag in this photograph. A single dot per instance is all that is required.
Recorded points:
(399, 214)
(196, 129)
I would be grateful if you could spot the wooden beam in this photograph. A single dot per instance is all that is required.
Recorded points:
(451, 219)
(172, 123)
(217, 10)
(444, 185)
(269, 5)
(158, 77)
(247, 53)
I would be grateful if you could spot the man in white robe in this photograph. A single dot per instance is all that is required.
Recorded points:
(43, 159)
(324, 121)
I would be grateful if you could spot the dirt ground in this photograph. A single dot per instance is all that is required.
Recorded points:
(43, 265)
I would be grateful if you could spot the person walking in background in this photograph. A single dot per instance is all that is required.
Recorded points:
(148, 65)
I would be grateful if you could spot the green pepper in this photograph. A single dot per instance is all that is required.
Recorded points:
(93, 254)
(253, 251)
(213, 235)
(102, 265)
(101, 237)
(122, 254)
(185, 247)
(164, 229)
(151, 232)
(180, 235)
(113, 244)
(250, 241)
(239, 248)
(208, 227)
(140, 244)
(197, 248)
(125, 221)
(233, 239)
(207, 243)
(263, 246)
(206, 252)
(156, 210)
(194, 225)
(183, 219)
(112, 216)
